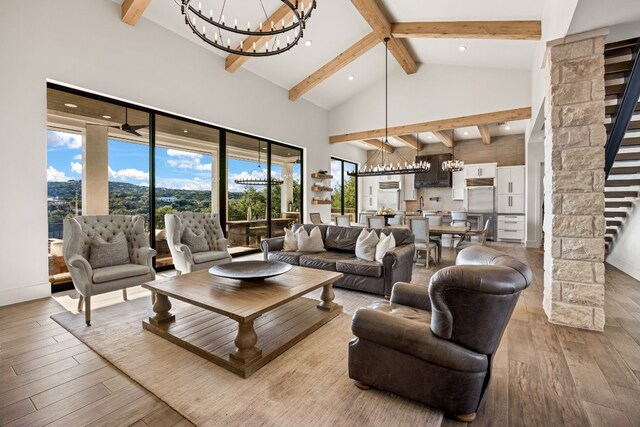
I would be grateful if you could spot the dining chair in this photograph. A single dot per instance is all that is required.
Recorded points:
(420, 229)
(482, 234)
(435, 221)
(398, 219)
(362, 217)
(458, 219)
(375, 221)
(315, 218)
(343, 220)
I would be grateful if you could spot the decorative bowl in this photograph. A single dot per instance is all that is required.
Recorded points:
(250, 270)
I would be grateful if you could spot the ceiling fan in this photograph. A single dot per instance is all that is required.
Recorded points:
(125, 127)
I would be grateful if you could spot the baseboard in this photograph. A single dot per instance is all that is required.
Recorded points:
(629, 267)
(532, 244)
(25, 293)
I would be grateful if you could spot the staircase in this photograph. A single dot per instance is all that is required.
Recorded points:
(622, 121)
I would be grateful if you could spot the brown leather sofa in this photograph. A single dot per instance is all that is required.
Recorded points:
(340, 245)
(437, 347)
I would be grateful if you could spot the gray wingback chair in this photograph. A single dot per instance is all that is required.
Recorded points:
(78, 235)
(183, 259)
(437, 346)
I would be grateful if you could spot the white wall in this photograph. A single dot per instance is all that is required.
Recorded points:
(434, 92)
(534, 172)
(83, 43)
(627, 247)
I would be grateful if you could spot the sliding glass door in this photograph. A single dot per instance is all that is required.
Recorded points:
(263, 190)
(186, 171)
(344, 198)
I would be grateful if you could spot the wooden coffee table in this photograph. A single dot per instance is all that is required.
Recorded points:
(242, 325)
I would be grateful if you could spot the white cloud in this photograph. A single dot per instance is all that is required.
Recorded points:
(76, 167)
(128, 174)
(179, 153)
(54, 175)
(187, 160)
(77, 157)
(63, 140)
(184, 184)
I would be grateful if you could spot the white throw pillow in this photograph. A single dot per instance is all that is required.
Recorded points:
(366, 245)
(385, 244)
(311, 242)
(290, 240)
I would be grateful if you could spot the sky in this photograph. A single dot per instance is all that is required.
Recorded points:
(129, 162)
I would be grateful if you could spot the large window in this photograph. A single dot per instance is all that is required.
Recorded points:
(186, 159)
(109, 157)
(263, 190)
(344, 197)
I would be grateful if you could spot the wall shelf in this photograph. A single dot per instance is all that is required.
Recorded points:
(320, 202)
(321, 176)
(321, 188)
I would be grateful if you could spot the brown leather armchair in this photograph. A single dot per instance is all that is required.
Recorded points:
(437, 347)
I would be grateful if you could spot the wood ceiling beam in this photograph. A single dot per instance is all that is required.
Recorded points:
(504, 30)
(330, 68)
(437, 125)
(409, 140)
(485, 133)
(132, 10)
(377, 19)
(233, 62)
(446, 137)
(377, 144)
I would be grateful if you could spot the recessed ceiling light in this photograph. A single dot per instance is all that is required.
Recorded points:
(308, 43)
(351, 78)
(462, 48)
(429, 136)
(106, 117)
(71, 105)
(185, 131)
(465, 133)
(507, 127)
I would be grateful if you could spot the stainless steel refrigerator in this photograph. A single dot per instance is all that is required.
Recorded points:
(481, 200)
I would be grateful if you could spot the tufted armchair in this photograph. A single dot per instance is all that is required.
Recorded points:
(437, 346)
(79, 234)
(184, 259)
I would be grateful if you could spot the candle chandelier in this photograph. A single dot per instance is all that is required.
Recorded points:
(261, 177)
(268, 38)
(453, 165)
(380, 163)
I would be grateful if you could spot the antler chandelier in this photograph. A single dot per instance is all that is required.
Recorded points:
(379, 163)
(269, 37)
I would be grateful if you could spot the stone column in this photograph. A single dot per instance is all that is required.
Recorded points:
(95, 171)
(574, 222)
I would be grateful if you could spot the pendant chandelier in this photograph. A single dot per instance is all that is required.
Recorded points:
(220, 33)
(380, 163)
(261, 177)
(453, 165)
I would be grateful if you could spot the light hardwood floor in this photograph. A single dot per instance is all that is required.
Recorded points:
(544, 375)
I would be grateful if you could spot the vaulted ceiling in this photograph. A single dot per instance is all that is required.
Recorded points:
(337, 25)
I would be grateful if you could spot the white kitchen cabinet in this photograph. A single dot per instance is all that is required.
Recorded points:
(511, 189)
(511, 227)
(457, 185)
(369, 197)
(480, 170)
(510, 203)
(511, 180)
(409, 188)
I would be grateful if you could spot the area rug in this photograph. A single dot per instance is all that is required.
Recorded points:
(306, 385)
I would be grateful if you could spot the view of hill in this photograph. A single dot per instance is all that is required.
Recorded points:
(65, 199)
